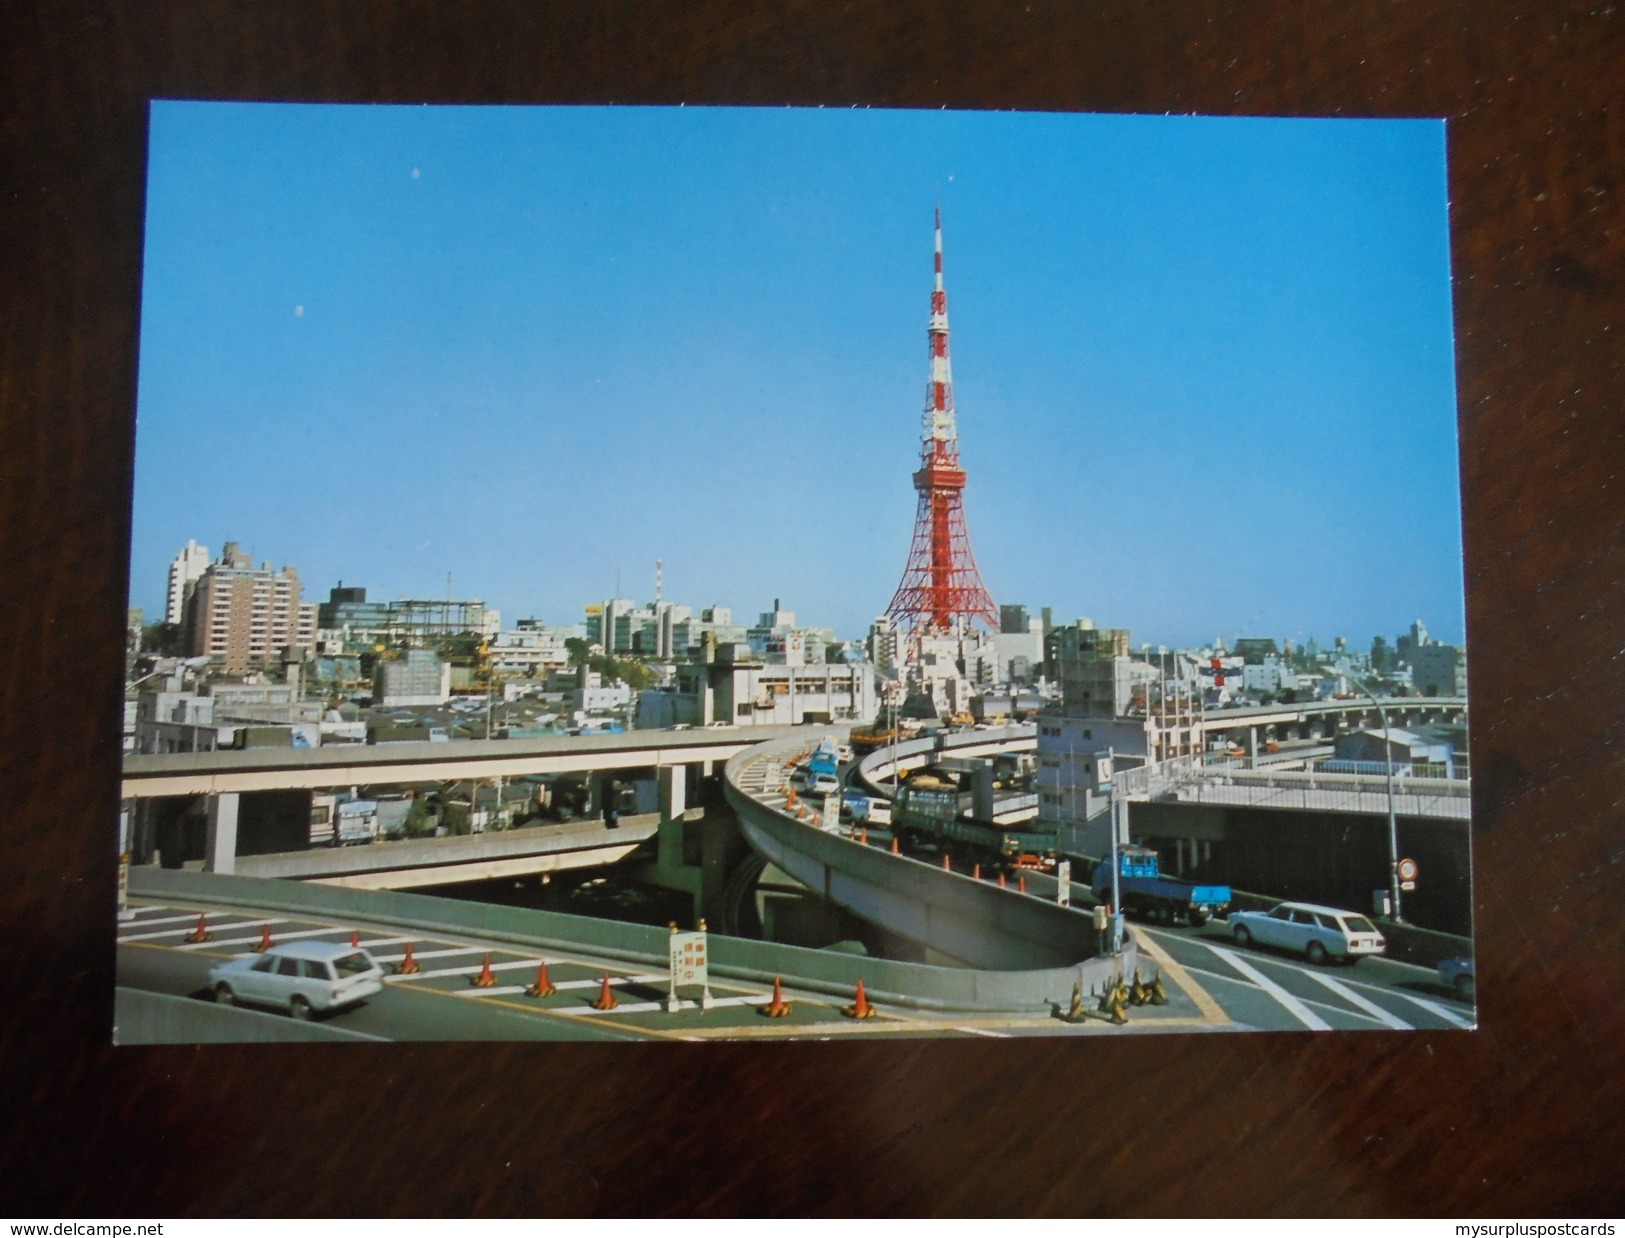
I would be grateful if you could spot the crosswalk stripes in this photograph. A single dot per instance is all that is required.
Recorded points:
(1382, 1016)
(1444, 1013)
(1291, 1004)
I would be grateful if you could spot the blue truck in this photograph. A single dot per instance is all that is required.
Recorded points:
(821, 776)
(1146, 892)
(823, 760)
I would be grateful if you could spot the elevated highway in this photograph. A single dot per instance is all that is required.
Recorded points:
(287, 769)
(972, 922)
(1321, 719)
(880, 769)
(415, 863)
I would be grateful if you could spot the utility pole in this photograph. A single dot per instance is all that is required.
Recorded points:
(1388, 775)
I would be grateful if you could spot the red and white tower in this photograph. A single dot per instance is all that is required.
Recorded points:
(942, 589)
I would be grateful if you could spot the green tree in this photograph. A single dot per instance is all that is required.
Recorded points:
(578, 650)
(162, 638)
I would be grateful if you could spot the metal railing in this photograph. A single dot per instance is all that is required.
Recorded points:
(1189, 780)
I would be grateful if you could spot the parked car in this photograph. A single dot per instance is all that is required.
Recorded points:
(1460, 975)
(302, 977)
(1318, 933)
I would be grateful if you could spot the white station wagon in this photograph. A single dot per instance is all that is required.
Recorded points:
(1318, 933)
(301, 977)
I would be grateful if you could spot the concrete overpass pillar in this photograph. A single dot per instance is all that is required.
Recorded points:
(1252, 747)
(673, 791)
(982, 791)
(221, 854)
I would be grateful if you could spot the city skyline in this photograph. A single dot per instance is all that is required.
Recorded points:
(540, 348)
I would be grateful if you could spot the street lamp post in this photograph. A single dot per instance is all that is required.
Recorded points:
(1388, 774)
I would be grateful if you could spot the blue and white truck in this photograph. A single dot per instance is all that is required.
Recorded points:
(823, 772)
(1144, 891)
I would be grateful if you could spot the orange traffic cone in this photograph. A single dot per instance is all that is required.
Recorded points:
(778, 1007)
(606, 997)
(265, 939)
(408, 966)
(485, 979)
(860, 1008)
(947, 863)
(201, 932)
(543, 986)
(1021, 883)
(790, 798)
(865, 836)
(894, 849)
(1003, 884)
(355, 937)
(976, 873)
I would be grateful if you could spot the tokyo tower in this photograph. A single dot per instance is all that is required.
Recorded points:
(941, 590)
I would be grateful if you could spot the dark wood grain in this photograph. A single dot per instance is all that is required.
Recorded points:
(1523, 1117)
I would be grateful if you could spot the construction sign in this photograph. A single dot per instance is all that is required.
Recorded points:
(688, 967)
(1063, 883)
(688, 959)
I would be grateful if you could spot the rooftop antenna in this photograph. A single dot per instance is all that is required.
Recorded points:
(660, 567)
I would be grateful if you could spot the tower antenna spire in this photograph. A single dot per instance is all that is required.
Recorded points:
(942, 588)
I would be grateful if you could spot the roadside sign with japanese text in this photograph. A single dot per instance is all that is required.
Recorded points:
(688, 951)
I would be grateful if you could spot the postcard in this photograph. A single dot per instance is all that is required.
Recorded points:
(611, 573)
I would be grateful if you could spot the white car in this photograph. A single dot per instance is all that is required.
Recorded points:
(823, 784)
(301, 977)
(1318, 933)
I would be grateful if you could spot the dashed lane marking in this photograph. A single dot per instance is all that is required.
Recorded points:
(754, 999)
(219, 942)
(213, 930)
(475, 968)
(1370, 1007)
(429, 954)
(148, 923)
(632, 1031)
(1291, 1004)
(501, 990)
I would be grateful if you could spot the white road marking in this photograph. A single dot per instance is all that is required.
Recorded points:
(428, 954)
(752, 999)
(473, 969)
(1370, 1007)
(1444, 1013)
(276, 939)
(1292, 1005)
(501, 990)
(148, 923)
(213, 929)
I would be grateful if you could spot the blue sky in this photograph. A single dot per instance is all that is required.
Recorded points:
(1203, 366)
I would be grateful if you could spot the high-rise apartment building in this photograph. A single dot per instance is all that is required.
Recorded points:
(242, 615)
(184, 573)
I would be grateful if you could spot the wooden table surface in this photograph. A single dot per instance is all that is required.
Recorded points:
(1521, 1118)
